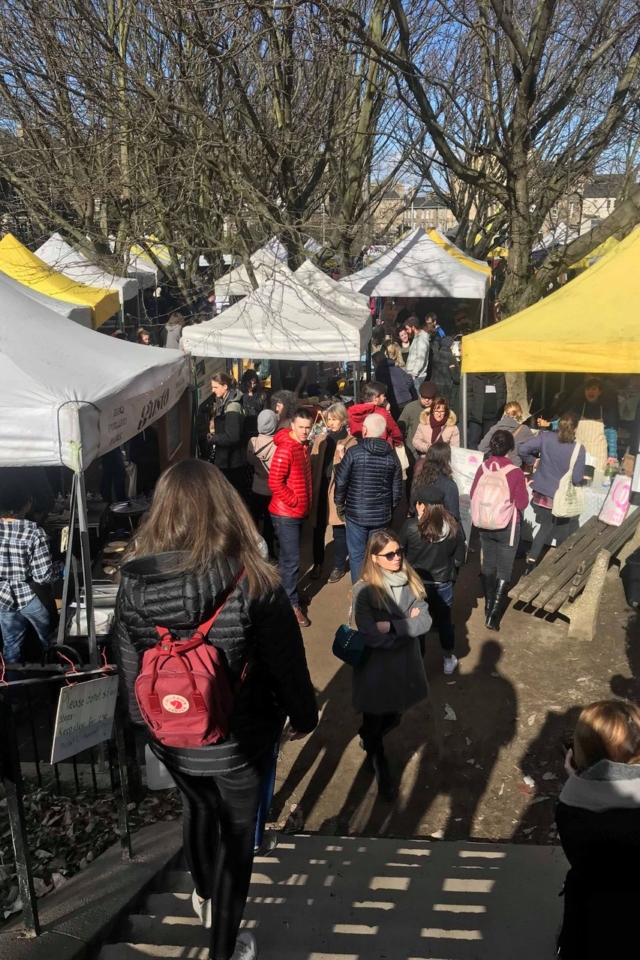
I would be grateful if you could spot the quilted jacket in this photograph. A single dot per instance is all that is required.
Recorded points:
(369, 483)
(290, 478)
(357, 415)
(260, 631)
(228, 444)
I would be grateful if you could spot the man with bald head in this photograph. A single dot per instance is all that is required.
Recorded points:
(368, 487)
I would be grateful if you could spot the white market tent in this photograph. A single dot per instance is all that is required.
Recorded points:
(143, 271)
(71, 311)
(284, 318)
(73, 264)
(65, 390)
(265, 261)
(327, 289)
(418, 266)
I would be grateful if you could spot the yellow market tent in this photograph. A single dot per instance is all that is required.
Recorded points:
(459, 254)
(18, 262)
(590, 324)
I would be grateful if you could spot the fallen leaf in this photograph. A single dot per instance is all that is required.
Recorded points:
(532, 719)
(449, 713)
(437, 835)
(530, 782)
(549, 776)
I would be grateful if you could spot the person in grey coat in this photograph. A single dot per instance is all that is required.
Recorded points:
(511, 421)
(390, 610)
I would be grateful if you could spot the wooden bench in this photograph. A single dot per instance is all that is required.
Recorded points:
(577, 569)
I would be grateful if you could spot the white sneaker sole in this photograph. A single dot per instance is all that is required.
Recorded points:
(450, 666)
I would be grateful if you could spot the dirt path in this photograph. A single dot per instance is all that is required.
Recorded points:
(515, 698)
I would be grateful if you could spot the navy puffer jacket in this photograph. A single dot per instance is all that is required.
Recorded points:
(260, 631)
(368, 482)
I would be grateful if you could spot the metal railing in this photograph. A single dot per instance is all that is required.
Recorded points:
(27, 716)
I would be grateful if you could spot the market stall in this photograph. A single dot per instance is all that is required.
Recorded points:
(420, 266)
(264, 262)
(72, 311)
(32, 273)
(68, 395)
(77, 266)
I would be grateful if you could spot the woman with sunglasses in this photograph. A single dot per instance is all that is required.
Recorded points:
(390, 610)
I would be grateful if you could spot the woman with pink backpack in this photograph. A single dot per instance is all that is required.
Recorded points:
(499, 494)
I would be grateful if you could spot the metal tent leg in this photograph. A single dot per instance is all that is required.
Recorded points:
(463, 387)
(67, 561)
(86, 569)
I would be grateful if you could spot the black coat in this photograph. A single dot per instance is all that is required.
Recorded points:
(476, 394)
(228, 443)
(449, 490)
(368, 483)
(445, 370)
(262, 632)
(433, 562)
(400, 388)
(600, 835)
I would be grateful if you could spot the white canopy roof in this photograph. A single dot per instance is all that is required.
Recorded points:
(316, 280)
(283, 319)
(417, 266)
(73, 264)
(72, 311)
(143, 271)
(62, 385)
(237, 283)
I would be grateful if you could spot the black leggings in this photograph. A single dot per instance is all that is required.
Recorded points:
(497, 554)
(219, 822)
(375, 726)
(551, 528)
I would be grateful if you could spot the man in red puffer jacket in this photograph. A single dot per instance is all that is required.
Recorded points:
(290, 484)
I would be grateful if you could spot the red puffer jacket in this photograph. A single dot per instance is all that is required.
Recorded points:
(290, 477)
(360, 411)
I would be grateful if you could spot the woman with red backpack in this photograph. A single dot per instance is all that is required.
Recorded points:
(499, 495)
(214, 693)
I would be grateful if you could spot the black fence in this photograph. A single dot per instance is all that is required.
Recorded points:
(27, 722)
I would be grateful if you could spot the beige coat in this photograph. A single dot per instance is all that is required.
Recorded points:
(260, 451)
(422, 437)
(317, 459)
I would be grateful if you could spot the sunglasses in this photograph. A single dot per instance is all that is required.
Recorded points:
(392, 554)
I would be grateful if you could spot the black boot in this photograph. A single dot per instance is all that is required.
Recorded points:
(386, 787)
(498, 605)
(489, 589)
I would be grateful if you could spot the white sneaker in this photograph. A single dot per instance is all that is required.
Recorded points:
(246, 947)
(449, 664)
(202, 909)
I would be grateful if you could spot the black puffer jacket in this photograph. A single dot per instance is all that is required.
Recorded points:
(445, 370)
(433, 562)
(261, 631)
(368, 482)
(228, 442)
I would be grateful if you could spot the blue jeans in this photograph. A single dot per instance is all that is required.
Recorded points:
(289, 533)
(417, 382)
(440, 600)
(357, 538)
(13, 624)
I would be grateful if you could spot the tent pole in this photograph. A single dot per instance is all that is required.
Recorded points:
(356, 381)
(67, 562)
(85, 553)
(464, 410)
(122, 311)
(482, 308)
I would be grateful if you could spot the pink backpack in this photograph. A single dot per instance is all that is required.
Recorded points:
(491, 504)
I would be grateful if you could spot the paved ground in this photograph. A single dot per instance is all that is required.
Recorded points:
(515, 699)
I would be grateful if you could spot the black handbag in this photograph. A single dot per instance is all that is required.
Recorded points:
(349, 646)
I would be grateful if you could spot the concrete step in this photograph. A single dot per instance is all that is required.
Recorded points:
(331, 898)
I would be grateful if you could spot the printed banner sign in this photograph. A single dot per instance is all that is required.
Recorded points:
(122, 420)
(615, 507)
(84, 718)
(464, 465)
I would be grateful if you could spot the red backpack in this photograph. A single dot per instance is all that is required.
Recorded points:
(183, 690)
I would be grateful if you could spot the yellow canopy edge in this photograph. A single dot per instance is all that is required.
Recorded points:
(458, 254)
(609, 244)
(159, 250)
(20, 264)
(590, 325)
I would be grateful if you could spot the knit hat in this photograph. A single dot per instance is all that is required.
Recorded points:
(428, 494)
(267, 423)
(428, 390)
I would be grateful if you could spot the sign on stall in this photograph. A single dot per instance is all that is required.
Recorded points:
(615, 507)
(84, 718)
(464, 466)
(122, 419)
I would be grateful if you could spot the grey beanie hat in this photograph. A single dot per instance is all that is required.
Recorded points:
(267, 423)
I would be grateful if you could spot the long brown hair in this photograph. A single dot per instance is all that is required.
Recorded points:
(373, 576)
(431, 523)
(196, 511)
(607, 730)
(567, 426)
(435, 463)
